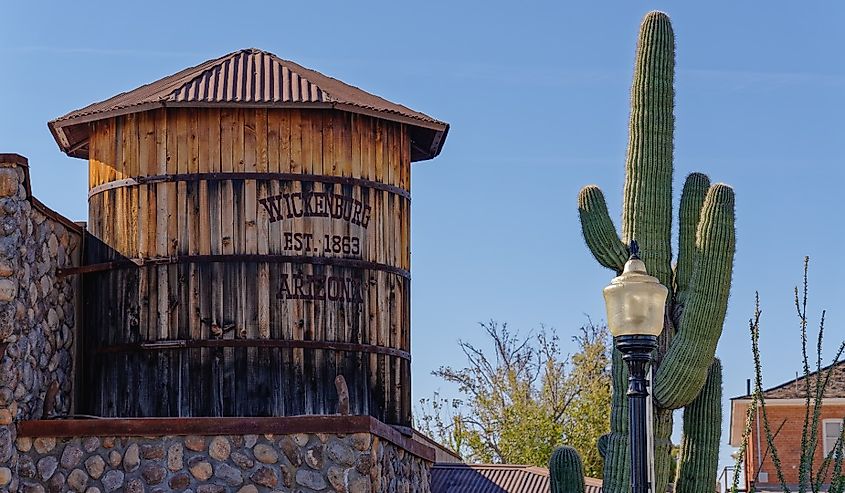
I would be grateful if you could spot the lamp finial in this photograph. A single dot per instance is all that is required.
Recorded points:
(635, 250)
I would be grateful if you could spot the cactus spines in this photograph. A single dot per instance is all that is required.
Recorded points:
(698, 462)
(701, 280)
(692, 198)
(683, 370)
(566, 472)
(598, 229)
(647, 197)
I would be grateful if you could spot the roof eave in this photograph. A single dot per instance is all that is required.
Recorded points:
(57, 127)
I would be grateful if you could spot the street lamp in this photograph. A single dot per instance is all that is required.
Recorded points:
(635, 304)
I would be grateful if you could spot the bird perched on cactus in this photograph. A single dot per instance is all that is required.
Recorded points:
(699, 283)
(566, 471)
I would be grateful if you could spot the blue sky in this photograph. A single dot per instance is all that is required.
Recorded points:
(537, 98)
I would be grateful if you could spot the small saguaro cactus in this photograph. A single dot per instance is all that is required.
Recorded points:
(566, 471)
(699, 284)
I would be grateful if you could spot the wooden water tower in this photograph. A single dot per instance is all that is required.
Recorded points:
(249, 242)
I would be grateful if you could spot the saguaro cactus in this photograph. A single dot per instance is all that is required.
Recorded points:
(699, 457)
(700, 282)
(566, 471)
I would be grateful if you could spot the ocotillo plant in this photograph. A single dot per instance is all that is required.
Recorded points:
(566, 472)
(829, 474)
(700, 282)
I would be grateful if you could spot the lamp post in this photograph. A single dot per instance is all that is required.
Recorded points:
(635, 303)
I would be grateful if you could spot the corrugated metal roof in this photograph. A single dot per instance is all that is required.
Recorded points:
(495, 478)
(797, 388)
(250, 77)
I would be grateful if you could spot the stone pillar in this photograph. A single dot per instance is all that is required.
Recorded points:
(12, 193)
(37, 310)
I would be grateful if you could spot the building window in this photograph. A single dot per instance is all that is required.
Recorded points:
(832, 430)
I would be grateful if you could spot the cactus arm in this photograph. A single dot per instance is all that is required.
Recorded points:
(663, 424)
(617, 458)
(566, 471)
(598, 229)
(601, 444)
(692, 199)
(698, 463)
(647, 197)
(683, 370)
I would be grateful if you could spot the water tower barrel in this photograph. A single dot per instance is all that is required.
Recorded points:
(242, 258)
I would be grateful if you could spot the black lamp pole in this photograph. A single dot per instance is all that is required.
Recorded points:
(635, 303)
(636, 352)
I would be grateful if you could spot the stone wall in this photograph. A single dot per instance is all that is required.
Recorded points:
(301, 463)
(38, 311)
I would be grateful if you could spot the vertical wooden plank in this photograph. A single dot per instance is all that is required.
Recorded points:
(295, 142)
(142, 211)
(273, 122)
(406, 159)
(307, 138)
(321, 382)
(144, 150)
(285, 159)
(262, 136)
(355, 131)
(368, 148)
(254, 147)
(238, 136)
(263, 247)
(317, 124)
(324, 316)
(93, 155)
(194, 123)
(117, 230)
(227, 154)
(205, 124)
(134, 158)
(216, 321)
(183, 166)
(220, 160)
(237, 270)
(251, 217)
(234, 359)
(173, 159)
(378, 154)
(162, 221)
(226, 140)
(331, 143)
(214, 138)
(250, 142)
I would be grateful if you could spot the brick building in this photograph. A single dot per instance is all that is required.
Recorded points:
(786, 407)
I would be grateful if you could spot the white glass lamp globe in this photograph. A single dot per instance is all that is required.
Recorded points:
(635, 302)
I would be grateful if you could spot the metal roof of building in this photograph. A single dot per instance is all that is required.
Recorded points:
(797, 388)
(250, 78)
(495, 478)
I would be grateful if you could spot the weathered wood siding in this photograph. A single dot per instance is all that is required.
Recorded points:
(255, 230)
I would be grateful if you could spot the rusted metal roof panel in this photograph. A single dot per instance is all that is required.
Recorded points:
(495, 478)
(249, 77)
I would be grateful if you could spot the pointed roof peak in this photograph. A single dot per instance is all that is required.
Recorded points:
(249, 77)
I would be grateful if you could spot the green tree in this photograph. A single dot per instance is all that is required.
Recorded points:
(524, 397)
